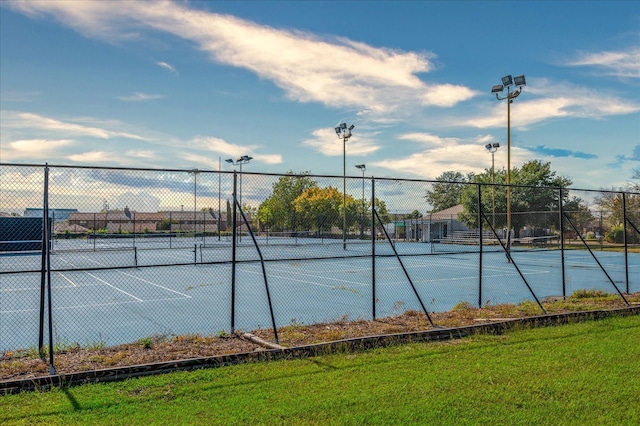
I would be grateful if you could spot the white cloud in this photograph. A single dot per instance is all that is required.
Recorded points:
(541, 101)
(326, 142)
(616, 63)
(308, 68)
(459, 157)
(269, 158)
(30, 121)
(210, 143)
(97, 157)
(142, 154)
(428, 139)
(140, 97)
(166, 66)
(33, 148)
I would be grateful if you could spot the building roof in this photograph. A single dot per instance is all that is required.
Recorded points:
(446, 214)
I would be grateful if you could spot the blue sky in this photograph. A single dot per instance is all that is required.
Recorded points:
(183, 84)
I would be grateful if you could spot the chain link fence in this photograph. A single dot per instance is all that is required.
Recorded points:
(131, 253)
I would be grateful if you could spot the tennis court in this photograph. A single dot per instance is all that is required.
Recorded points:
(193, 294)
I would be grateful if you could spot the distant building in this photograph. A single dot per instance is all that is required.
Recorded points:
(56, 214)
(433, 227)
(117, 221)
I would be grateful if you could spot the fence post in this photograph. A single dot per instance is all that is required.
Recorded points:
(43, 265)
(480, 241)
(624, 239)
(562, 265)
(46, 269)
(373, 249)
(233, 255)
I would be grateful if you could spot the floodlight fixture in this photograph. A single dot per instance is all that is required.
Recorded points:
(507, 80)
(362, 167)
(497, 88)
(520, 80)
(337, 130)
(229, 160)
(488, 146)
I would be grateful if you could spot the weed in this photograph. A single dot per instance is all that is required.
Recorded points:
(146, 342)
(462, 306)
(589, 294)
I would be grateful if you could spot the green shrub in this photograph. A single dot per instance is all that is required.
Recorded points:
(616, 235)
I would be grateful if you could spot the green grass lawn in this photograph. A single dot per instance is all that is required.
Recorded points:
(582, 374)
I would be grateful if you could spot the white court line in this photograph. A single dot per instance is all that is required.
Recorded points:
(104, 282)
(154, 284)
(114, 287)
(310, 282)
(132, 276)
(73, 284)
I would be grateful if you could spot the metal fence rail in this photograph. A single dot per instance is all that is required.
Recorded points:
(131, 253)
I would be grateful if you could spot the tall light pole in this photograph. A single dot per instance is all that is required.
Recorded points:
(239, 161)
(344, 133)
(492, 148)
(518, 82)
(362, 167)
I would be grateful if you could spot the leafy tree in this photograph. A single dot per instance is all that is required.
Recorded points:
(318, 208)
(611, 202)
(534, 188)
(278, 211)
(447, 191)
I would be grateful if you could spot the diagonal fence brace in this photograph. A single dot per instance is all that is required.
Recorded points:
(595, 258)
(415, 291)
(507, 251)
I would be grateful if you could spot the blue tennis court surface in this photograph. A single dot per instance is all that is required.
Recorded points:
(122, 305)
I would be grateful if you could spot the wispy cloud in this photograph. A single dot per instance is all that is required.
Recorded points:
(545, 103)
(33, 149)
(140, 97)
(218, 145)
(227, 149)
(166, 66)
(69, 128)
(326, 142)
(96, 157)
(428, 139)
(141, 153)
(306, 67)
(622, 63)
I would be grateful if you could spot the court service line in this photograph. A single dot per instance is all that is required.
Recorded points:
(73, 284)
(114, 287)
(310, 282)
(154, 284)
(137, 278)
